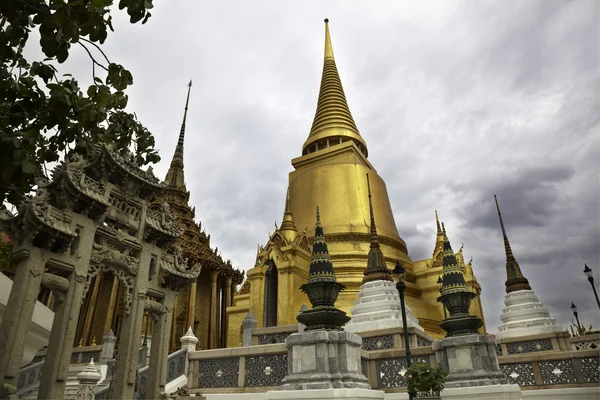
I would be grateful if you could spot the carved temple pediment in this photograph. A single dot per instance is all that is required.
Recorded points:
(175, 271)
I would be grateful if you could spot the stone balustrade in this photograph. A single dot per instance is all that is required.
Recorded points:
(536, 362)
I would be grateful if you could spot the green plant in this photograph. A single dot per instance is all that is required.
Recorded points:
(424, 381)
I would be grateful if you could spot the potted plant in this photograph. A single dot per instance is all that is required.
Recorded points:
(425, 382)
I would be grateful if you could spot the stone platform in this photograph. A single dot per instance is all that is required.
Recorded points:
(324, 360)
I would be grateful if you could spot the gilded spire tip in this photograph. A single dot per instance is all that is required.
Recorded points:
(437, 222)
(328, 46)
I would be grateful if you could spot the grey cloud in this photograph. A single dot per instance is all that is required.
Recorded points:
(457, 101)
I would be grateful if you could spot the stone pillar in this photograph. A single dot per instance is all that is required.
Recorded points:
(248, 324)
(89, 318)
(108, 347)
(88, 379)
(189, 342)
(161, 332)
(66, 312)
(126, 366)
(112, 305)
(17, 315)
(191, 312)
(214, 329)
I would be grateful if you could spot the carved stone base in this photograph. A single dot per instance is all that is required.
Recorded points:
(470, 361)
(324, 360)
(327, 394)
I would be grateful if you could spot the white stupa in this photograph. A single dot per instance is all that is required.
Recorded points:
(524, 314)
(378, 304)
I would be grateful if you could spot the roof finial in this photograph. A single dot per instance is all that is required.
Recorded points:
(332, 118)
(514, 277)
(437, 222)
(175, 176)
(328, 47)
(374, 238)
(288, 227)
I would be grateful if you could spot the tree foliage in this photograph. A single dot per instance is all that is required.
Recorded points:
(44, 114)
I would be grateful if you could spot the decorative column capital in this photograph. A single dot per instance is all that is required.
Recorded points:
(57, 284)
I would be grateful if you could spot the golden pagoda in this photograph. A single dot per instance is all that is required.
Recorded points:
(201, 306)
(330, 173)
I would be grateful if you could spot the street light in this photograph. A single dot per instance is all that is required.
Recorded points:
(400, 285)
(590, 275)
(574, 309)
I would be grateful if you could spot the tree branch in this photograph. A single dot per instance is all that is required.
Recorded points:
(97, 47)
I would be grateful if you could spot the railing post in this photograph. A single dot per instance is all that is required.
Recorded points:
(189, 342)
(88, 379)
(108, 347)
(248, 324)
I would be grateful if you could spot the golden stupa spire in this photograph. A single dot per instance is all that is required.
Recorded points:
(288, 227)
(439, 243)
(175, 176)
(514, 277)
(333, 121)
(376, 267)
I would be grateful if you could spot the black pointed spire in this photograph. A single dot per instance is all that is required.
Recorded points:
(175, 176)
(514, 277)
(377, 269)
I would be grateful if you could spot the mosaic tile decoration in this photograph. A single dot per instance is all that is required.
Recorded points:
(378, 343)
(273, 338)
(390, 371)
(266, 370)
(557, 372)
(590, 368)
(218, 373)
(521, 374)
(529, 346)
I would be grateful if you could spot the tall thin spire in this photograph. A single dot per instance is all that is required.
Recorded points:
(438, 250)
(514, 277)
(175, 175)
(376, 267)
(333, 119)
(288, 227)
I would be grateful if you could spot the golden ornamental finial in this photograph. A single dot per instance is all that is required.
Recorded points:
(328, 47)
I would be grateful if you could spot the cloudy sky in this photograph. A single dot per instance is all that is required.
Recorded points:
(457, 101)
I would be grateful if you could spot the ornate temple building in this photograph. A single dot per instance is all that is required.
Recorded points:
(201, 306)
(331, 173)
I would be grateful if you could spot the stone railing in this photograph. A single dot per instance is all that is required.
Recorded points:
(538, 362)
(555, 369)
(238, 369)
(175, 368)
(272, 334)
(29, 377)
(587, 342)
(83, 355)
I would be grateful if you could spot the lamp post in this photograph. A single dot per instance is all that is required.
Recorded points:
(590, 275)
(574, 309)
(400, 285)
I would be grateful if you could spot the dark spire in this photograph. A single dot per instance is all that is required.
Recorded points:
(321, 267)
(322, 288)
(376, 267)
(514, 277)
(175, 176)
(456, 296)
(452, 277)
